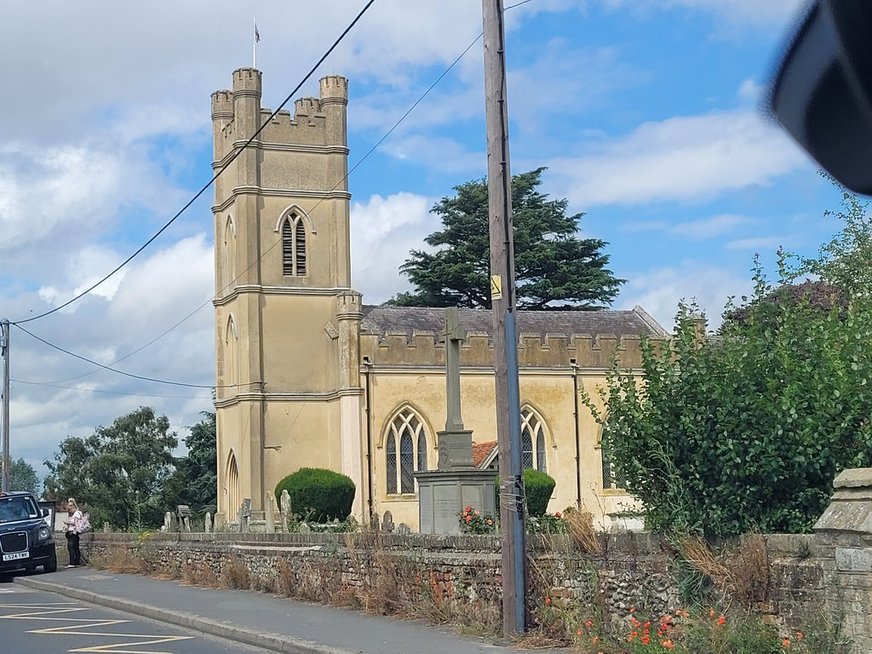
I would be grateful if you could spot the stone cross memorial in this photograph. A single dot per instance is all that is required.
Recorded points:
(456, 483)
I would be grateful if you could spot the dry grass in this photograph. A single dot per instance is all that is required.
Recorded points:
(749, 564)
(235, 575)
(122, 560)
(743, 576)
(582, 530)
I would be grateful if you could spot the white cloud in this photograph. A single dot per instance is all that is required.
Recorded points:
(751, 92)
(710, 227)
(384, 230)
(759, 243)
(681, 158)
(660, 289)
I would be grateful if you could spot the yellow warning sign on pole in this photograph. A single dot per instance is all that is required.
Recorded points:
(496, 287)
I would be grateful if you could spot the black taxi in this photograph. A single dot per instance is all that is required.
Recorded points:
(26, 541)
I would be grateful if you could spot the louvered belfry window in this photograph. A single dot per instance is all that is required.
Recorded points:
(293, 246)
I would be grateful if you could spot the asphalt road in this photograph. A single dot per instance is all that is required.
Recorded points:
(38, 622)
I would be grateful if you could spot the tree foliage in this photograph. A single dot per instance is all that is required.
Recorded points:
(118, 471)
(745, 431)
(554, 268)
(194, 481)
(22, 476)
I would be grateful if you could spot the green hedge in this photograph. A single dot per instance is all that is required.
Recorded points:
(538, 487)
(318, 494)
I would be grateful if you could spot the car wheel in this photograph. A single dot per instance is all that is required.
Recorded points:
(52, 564)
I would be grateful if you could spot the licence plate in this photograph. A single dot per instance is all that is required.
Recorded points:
(15, 556)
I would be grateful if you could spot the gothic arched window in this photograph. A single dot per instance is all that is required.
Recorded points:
(231, 353)
(229, 254)
(611, 478)
(293, 245)
(533, 434)
(407, 437)
(232, 489)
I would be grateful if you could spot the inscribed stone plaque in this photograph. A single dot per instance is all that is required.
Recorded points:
(850, 559)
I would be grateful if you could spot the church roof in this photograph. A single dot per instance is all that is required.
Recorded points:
(387, 319)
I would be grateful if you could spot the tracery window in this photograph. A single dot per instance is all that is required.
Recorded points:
(533, 433)
(611, 479)
(406, 437)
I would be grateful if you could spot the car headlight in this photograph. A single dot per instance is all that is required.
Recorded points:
(44, 533)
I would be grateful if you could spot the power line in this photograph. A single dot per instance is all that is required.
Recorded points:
(121, 393)
(360, 162)
(208, 184)
(105, 367)
(131, 353)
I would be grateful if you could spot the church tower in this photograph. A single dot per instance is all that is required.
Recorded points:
(287, 322)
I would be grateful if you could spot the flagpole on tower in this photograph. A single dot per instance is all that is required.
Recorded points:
(254, 45)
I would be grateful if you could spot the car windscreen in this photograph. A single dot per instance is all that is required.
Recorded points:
(15, 508)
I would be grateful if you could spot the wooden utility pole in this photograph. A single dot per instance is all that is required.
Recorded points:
(4, 348)
(502, 268)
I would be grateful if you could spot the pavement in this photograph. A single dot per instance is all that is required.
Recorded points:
(274, 623)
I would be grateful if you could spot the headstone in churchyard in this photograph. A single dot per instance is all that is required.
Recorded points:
(286, 510)
(403, 529)
(207, 523)
(185, 514)
(168, 521)
(269, 513)
(388, 522)
(373, 521)
(305, 528)
(244, 515)
(106, 528)
(220, 522)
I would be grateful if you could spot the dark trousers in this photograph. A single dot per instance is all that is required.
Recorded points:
(73, 548)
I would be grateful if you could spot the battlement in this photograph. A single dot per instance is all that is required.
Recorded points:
(315, 121)
(334, 88)
(222, 104)
(307, 107)
(425, 348)
(247, 81)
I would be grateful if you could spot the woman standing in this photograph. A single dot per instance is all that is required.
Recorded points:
(74, 528)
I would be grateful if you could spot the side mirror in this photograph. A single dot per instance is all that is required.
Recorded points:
(46, 513)
(822, 91)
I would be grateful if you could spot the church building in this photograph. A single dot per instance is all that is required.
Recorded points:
(310, 376)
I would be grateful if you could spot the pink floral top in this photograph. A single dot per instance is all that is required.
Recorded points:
(76, 522)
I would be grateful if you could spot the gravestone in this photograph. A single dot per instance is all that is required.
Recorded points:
(286, 510)
(456, 483)
(168, 521)
(403, 529)
(269, 513)
(388, 522)
(185, 514)
(207, 523)
(244, 516)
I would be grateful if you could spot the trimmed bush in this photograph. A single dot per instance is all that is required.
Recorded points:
(538, 487)
(318, 494)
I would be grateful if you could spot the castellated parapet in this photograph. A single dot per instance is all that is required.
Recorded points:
(534, 350)
(317, 122)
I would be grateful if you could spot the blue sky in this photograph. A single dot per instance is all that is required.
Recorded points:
(646, 113)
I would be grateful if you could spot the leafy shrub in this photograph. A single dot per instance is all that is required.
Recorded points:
(538, 486)
(318, 494)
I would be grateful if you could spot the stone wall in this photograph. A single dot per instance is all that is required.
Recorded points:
(794, 581)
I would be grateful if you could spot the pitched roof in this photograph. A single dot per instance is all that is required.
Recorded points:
(481, 452)
(386, 319)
